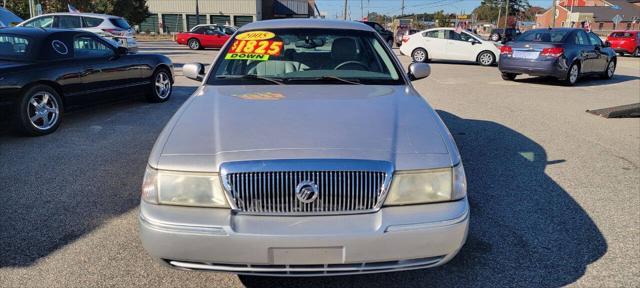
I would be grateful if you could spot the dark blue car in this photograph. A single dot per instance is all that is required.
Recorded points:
(563, 53)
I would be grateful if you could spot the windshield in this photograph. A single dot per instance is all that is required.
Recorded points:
(620, 35)
(543, 35)
(305, 56)
(14, 47)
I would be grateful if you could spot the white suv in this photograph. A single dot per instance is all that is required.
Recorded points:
(110, 27)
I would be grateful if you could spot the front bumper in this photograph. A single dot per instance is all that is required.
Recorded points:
(392, 239)
(556, 68)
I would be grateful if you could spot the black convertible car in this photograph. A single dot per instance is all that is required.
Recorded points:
(44, 72)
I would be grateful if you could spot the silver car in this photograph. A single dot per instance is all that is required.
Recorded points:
(110, 27)
(305, 151)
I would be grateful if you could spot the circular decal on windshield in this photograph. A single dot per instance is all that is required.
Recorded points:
(60, 47)
(256, 35)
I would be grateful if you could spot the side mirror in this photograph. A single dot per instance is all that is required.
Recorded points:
(193, 71)
(121, 50)
(419, 71)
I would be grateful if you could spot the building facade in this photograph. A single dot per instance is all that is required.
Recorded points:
(597, 14)
(171, 16)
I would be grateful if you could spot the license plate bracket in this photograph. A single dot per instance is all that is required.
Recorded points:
(526, 54)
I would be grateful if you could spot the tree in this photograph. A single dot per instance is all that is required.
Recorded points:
(135, 11)
(490, 9)
(441, 19)
(19, 7)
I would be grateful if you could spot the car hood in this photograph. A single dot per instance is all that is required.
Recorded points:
(238, 123)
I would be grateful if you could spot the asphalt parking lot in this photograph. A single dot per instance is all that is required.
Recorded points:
(554, 191)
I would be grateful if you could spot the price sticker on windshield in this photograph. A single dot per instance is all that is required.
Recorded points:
(254, 50)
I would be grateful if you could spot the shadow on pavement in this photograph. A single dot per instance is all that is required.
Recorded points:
(525, 229)
(59, 187)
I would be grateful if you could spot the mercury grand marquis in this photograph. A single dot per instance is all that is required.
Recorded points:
(305, 151)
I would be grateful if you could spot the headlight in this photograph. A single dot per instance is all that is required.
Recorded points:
(181, 188)
(427, 186)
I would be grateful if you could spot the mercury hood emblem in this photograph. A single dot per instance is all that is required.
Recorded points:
(307, 191)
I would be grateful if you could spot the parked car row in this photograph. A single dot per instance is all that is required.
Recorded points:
(45, 72)
(110, 27)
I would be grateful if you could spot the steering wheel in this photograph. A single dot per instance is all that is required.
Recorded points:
(358, 63)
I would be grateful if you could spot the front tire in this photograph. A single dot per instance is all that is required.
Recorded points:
(419, 55)
(495, 37)
(162, 86)
(572, 75)
(194, 44)
(486, 58)
(509, 76)
(390, 43)
(39, 111)
(636, 53)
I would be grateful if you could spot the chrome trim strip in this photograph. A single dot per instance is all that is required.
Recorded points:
(299, 270)
(183, 229)
(428, 225)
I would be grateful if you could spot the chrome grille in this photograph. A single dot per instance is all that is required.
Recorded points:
(274, 192)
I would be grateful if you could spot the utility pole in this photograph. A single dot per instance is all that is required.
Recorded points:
(361, 10)
(197, 13)
(499, 12)
(402, 8)
(553, 24)
(506, 14)
(344, 16)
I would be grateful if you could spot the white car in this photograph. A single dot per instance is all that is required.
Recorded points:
(447, 44)
(110, 27)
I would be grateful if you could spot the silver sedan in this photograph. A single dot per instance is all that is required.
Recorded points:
(305, 151)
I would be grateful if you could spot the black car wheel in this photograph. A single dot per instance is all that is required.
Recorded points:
(39, 111)
(636, 52)
(509, 76)
(162, 86)
(390, 43)
(419, 55)
(610, 70)
(572, 75)
(495, 37)
(486, 58)
(194, 44)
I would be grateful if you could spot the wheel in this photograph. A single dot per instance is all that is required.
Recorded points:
(494, 37)
(390, 43)
(610, 70)
(39, 111)
(194, 44)
(636, 53)
(419, 55)
(509, 76)
(486, 58)
(572, 74)
(621, 53)
(162, 86)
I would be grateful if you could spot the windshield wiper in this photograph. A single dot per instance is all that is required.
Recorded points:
(334, 78)
(251, 77)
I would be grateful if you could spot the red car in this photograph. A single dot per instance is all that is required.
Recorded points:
(202, 37)
(625, 42)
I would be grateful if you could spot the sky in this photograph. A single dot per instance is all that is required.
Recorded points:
(334, 8)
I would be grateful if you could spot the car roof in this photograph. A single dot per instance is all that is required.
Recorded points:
(307, 23)
(81, 14)
(38, 32)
